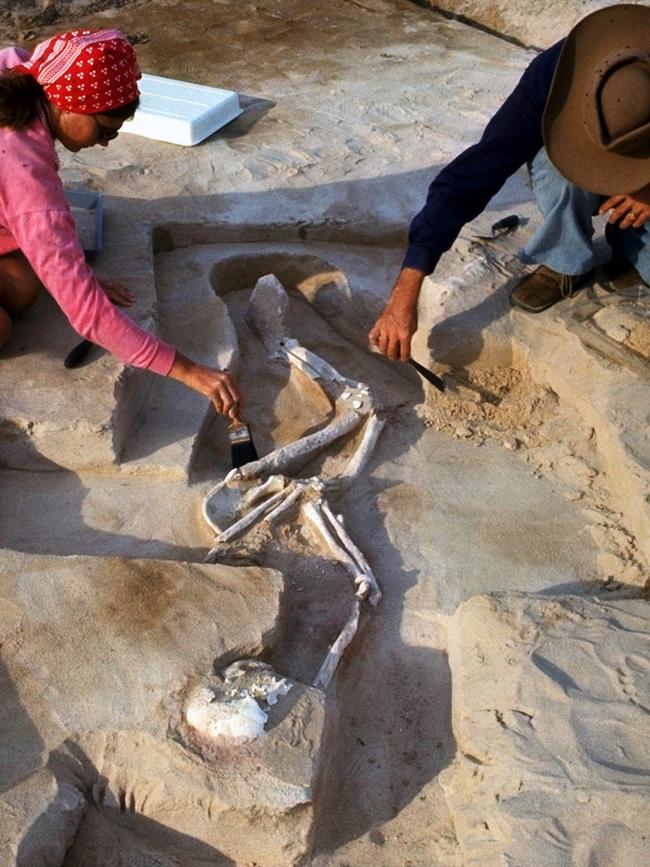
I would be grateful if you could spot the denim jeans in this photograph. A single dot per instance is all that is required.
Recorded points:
(564, 241)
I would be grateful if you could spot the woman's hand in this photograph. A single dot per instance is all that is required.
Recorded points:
(218, 385)
(117, 293)
(393, 331)
(631, 212)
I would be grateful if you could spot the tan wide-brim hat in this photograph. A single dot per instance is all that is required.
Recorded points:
(596, 123)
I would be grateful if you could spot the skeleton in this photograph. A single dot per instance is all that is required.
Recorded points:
(261, 493)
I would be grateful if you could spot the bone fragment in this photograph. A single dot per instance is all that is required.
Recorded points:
(336, 651)
(291, 457)
(363, 589)
(241, 667)
(267, 310)
(271, 690)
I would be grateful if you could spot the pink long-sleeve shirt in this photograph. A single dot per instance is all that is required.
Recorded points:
(35, 218)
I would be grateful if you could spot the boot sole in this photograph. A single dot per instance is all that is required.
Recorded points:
(527, 309)
(583, 278)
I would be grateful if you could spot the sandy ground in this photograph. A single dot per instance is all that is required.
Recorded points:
(349, 106)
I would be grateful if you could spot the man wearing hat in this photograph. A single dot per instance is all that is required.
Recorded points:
(580, 120)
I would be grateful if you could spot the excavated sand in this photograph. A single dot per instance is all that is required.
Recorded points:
(529, 478)
(552, 762)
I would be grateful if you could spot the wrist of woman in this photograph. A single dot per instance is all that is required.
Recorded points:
(184, 370)
(179, 365)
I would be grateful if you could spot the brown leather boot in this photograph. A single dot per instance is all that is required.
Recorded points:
(543, 288)
(620, 273)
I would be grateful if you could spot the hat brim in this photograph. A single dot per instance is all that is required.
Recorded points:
(568, 144)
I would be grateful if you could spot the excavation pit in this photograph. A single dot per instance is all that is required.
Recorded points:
(423, 514)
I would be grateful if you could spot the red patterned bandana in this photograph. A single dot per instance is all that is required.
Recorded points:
(85, 71)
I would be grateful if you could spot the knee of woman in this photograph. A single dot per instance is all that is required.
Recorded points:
(19, 286)
(29, 289)
(5, 327)
(30, 293)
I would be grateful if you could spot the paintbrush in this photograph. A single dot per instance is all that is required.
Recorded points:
(242, 447)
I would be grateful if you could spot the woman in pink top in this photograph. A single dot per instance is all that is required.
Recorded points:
(77, 88)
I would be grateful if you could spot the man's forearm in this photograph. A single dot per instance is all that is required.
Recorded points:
(406, 290)
(395, 327)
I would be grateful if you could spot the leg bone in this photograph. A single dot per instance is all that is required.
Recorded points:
(315, 516)
(228, 501)
(360, 458)
(316, 367)
(336, 651)
(295, 455)
(248, 520)
(355, 554)
(285, 505)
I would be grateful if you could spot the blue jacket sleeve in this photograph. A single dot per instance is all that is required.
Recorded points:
(462, 189)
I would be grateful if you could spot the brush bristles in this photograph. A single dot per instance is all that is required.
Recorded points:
(242, 448)
(239, 434)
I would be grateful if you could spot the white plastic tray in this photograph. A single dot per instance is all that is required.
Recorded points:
(180, 112)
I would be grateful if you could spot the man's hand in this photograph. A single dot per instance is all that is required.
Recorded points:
(117, 293)
(631, 211)
(218, 385)
(393, 331)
